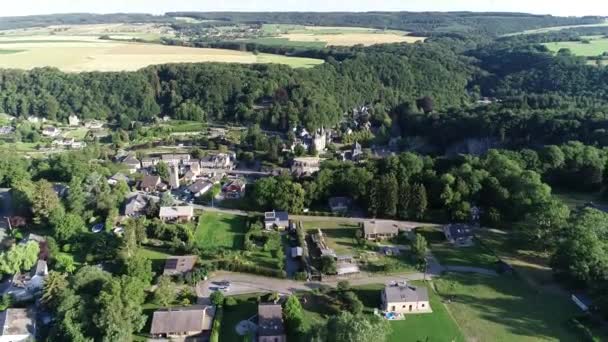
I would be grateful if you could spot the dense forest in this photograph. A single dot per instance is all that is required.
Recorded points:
(422, 23)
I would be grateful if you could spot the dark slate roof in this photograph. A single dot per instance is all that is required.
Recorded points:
(179, 264)
(276, 216)
(270, 320)
(178, 320)
(406, 293)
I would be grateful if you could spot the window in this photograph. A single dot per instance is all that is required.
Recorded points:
(403, 307)
(422, 305)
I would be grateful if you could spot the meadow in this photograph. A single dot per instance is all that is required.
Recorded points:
(321, 36)
(218, 230)
(594, 47)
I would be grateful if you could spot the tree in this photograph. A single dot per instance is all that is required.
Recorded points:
(347, 327)
(54, 286)
(343, 285)
(140, 267)
(352, 303)
(162, 169)
(68, 226)
(44, 201)
(419, 200)
(166, 199)
(389, 188)
(294, 316)
(328, 265)
(20, 257)
(164, 295)
(65, 262)
(120, 309)
(76, 198)
(419, 248)
(217, 298)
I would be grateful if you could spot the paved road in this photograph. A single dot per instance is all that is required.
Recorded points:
(242, 283)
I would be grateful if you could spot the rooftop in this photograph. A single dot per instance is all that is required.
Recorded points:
(270, 320)
(380, 227)
(17, 322)
(405, 293)
(178, 320)
(276, 216)
(176, 211)
(180, 264)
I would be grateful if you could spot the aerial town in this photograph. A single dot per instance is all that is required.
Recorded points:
(361, 175)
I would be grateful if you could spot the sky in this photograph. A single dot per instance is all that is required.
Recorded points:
(555, 7)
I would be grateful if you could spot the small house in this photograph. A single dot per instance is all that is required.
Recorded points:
(73, 120)
(136, 205)
(177, 214)
(51, 131)
(149, 162)
(218, 161)
(460, 235)
(270, 323)
(200, 187)
(379, 230)
(175, 265)
(17, 325)
(182, 322)
(305, 166)
(118, 177)
(149, 183)
(175, 159)
(189, 177)
(26, 285)
(403, 298)
(235, 189)
(131, 163)
(276, 219)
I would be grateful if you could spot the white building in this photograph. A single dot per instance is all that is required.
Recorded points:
(73, 120)
(17, 325)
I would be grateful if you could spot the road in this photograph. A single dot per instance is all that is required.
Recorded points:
(243, 283)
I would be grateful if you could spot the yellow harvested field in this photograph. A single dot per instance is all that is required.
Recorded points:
(142, 31)
(100, 55)
(354, 38)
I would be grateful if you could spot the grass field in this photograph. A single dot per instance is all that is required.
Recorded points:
(595, 47)
(556, 28)
(505, 309)
(98, 55)
(246, 308)
(575, 200)
(321, 36)
(219, 230)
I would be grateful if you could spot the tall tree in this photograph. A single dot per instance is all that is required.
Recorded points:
(419, 200)
(44, 201)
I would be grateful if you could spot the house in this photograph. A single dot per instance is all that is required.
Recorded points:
(131, 163)
(17, 325)
(354, 154)
(73, 120)
(149, 183)
(175, 159)
(4, 130)
(25, 285)
(181, 214)
(345, 268)
(270, 323)
(51, 131)
(117, 177)
(460, 235)
(304, 166)
(339, 204)
(148, 162)
(200, 187)
(189, 177)
(234, 189)
(78, 145)
(34, 119)
(218, 161)
(175, 265)
(379, 230)
(182, 322)
(276, 219)
(403, 298)
(136, 205)
(93, 124)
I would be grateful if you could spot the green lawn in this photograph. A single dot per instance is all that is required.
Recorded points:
(77, 133)
(595, 47)
(219, 230)
(575, 200)
(505, 308)
(157, 256)
(247, 306)
(476, 255)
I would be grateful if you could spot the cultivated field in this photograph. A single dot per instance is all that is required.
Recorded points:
(556, 28)
(99, 55)
(333, 36)
(150, 32)
(594, 47)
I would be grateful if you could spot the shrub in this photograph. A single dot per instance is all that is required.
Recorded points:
(230, 301)
(215, 328)
(301, 276)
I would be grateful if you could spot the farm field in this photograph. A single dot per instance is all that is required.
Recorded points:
(556, 28)
(595, 47)
(219, 230)
(101, 55)
(321, 36)
(149, 32)
(505, 308)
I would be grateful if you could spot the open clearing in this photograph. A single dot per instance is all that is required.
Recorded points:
(320, 36)
(595, 47)
(99, 55)
(504, 308)
(218, 230)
